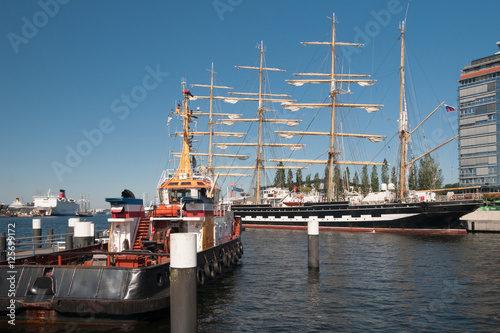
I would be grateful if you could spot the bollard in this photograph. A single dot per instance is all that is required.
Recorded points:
(50, 237)
(68, 244)
(183, 271)
(92, 232)
(83, 234)
(37, 232)
(313, 243)
(71, 224)
(3, 247)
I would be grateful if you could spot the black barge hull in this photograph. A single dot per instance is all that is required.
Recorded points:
(55, 293)
(422, 217)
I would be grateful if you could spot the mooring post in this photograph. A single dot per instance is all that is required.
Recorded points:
(84, 234)
(313, 243)
(37, 233)
(50, 236)
(183, 269)
(3, 247)
(68, 242)
(71, 224)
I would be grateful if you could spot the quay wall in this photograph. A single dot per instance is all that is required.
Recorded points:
(482, 221)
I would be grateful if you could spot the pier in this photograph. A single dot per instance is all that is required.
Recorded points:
(482, 221)
(48, 243)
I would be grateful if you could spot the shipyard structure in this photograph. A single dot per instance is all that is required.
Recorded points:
(479, 125)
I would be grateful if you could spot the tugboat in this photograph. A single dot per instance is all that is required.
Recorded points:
(130, 278)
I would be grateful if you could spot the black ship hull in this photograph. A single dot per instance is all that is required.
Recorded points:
(422, 217)
(53, 292)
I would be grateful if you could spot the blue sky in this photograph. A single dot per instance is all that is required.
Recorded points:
(98, 79)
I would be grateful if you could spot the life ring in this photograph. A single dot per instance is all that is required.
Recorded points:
(200, 277)
(452, 197)
(209, 271)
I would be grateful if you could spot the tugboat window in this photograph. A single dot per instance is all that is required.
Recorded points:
(176, 195)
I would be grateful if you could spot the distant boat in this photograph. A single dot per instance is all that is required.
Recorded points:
(85, 210)
(16, 205)
(51, 205)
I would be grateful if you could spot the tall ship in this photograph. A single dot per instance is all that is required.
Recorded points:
(128, 277)
(52, 205)
(401, 216)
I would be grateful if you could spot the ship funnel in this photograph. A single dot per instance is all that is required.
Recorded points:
(62, 194)
(498, 44)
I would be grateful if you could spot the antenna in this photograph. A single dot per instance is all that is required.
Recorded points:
(406, 14)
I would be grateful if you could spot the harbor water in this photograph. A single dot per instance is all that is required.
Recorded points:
(366, 282)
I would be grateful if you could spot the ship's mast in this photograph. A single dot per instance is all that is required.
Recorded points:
(404, 134)
(185, 163)
(258, 168)
(403, 120)
(331, 78)
(210, 120)
(333, 94)
(211, 123)
(260, 97)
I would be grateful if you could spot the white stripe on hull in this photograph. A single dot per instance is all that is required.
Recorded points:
(345, 218)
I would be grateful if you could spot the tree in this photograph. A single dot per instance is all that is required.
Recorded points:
(298, 176)
(308, 180)
(374, 179)
(347, 178)
(355, 181)
(413, 177)
(365, 180)
(325, 180)
(316, 181)
(385, 172)
(429, 174)
(279, 179)
(337, 181)
(289, 180)
(394, 177)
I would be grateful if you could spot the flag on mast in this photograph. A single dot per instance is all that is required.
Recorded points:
(449, 108)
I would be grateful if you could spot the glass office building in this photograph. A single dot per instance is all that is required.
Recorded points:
(479, 123)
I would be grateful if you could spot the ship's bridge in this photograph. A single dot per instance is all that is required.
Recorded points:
(174, 189)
